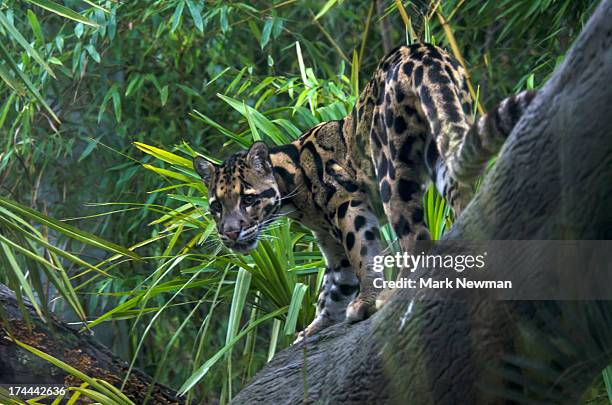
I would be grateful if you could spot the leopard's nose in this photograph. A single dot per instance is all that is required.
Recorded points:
(232, 234)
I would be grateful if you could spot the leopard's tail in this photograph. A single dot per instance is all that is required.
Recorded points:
(486, 137)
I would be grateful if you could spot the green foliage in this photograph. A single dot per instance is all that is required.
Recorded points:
(27, 268)
(105, 103)
(101, 391)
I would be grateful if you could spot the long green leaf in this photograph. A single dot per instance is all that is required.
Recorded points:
(326, 7)
(31, 88)
(63, 11)
(24, 284)
(607, 377)
(111, 393)
(201, 372)
(24, 43)
(67, 230)
(164, 155)
(299, 290)
(57, 251)
(258, 118)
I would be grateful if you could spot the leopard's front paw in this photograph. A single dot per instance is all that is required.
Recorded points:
(299, 336)
(359, 309)
(310, 330)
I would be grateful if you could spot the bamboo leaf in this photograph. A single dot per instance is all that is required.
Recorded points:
(259, 120)
(62, 11)
(91, 3)
(31, 88)
(167, 173)
(166, 156)
(195, 11)
(110, 393)
(326, 7)
(67, 230)
(91, 50)
(299, 290)
(24, 43)
(203, 370)
(23, 282)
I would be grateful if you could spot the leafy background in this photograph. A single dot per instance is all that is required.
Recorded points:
(103, 104)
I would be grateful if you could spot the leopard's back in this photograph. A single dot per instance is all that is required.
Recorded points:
(414, 123)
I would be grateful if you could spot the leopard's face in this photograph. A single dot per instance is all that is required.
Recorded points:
(243, 195)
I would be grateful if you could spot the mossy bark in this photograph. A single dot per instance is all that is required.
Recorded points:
(79, 350)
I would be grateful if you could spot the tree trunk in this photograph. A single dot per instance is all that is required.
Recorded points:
(18, 366)
(552, 180)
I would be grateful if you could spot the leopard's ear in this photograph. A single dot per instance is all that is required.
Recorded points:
(205, 169)
(257, 158)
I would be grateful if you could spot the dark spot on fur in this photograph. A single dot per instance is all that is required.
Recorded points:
(369, 235)
(345, 263)
(451, 75)
(454, 62)
(348, 289)
(418, 76)
(383, 136)
(399, 125)
(417, 215)
(382, 167)
(415, 52)
(363, 251)
(269, 193)
(399, 94)
(391, 171)
(405, 151)
(286, 177)
(380, 97)
(407, 188)
(309, 146)
(374, 137)
(392, 148)
(423, 235)
(433, 52)
(436, 76)
(402, 227)
(410, 111)
(385, 191)
(426, 99)
(350, 240)
(467, 108)
(450, 107)
(431, 63)
(359, 222)
(514, 110)
(408, 66)
(342, 209)
(389, 117)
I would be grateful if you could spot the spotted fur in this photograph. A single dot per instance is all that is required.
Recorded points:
(412, 124)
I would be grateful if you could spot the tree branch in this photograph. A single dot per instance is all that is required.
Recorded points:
(18, 366)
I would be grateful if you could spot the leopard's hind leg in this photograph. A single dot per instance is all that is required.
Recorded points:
(397, 139)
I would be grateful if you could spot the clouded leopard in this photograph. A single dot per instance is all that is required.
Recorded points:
(412, 124)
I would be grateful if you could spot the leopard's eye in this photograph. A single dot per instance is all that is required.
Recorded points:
(248, 199)
(215, 207)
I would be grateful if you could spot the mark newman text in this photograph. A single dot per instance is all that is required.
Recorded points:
(405, 282)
